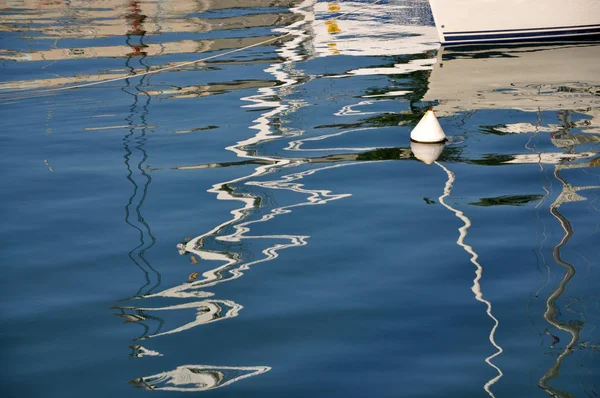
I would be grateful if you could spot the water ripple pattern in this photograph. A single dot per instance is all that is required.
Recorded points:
(220, 197)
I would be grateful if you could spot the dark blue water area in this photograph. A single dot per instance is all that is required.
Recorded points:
(261, 225)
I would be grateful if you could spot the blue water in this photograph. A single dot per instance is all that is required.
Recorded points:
(259, 224)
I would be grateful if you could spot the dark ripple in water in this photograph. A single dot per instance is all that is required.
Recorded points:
(355, 269)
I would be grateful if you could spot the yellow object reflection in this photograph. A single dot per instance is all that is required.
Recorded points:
(333, 48)
(332, 27)
(334, 7)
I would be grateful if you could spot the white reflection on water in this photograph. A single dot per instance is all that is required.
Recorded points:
(398, 27)
(207, 311)
(190, 378)
(478, 275)
(529, 78)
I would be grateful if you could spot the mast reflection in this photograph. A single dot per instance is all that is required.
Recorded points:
(136, 159)
(573, 328)
(476, 288)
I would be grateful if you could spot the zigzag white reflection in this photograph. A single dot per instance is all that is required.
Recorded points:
(188, 378)
(478, 275)
(296, 145)
(209, 311)
(214, 276)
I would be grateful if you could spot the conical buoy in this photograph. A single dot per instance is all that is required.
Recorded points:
(426, 153)
(428, 130)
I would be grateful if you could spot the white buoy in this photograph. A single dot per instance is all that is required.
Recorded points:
(428, 130)
(426, 153)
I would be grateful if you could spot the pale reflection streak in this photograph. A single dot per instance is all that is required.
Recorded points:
(476, 288)
(190, 378)
(297, 144)
(208, 311)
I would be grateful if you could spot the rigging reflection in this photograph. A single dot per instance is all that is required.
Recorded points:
(235, 262)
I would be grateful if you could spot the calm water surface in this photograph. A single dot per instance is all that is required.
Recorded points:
(259, 224)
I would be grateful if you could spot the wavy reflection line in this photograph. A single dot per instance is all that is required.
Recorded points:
(208, 311)
(215, 275)
(568, 194)
(297, 144)
(476, 288)
(348, 110)
(136, 159)
(190, 378)
(134, 148)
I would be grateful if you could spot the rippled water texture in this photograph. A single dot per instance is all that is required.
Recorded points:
(258, 224)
